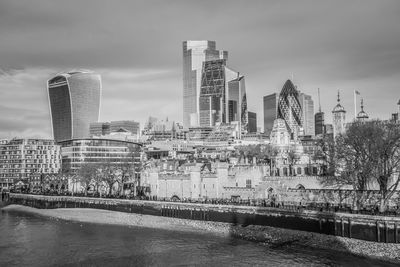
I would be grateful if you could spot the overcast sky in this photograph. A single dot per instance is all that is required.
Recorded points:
(137, 48)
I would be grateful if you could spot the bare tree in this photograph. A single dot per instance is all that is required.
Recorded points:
(109, 173)
(86, 175)
(386, 153)
(292, 158)
(368, 152)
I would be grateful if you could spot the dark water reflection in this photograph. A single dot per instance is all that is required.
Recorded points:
(28, 240)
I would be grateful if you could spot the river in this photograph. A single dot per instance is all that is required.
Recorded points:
(31, 240)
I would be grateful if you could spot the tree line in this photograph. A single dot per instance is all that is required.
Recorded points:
(366, 156)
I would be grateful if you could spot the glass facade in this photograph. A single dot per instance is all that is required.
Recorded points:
(222, 96)
(319, 123)
(289, 109)
(194, 54)
(74, 102)
(270, 112)
(252, 126)
(307, 107)
(79, 151)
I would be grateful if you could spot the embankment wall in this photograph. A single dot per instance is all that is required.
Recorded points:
(364, 227)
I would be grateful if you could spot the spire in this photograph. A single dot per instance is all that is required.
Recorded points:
(319, 101)
(362, 105)
(338, 96)
(362, 115)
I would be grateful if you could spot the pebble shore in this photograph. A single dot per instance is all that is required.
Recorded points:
(269, 236)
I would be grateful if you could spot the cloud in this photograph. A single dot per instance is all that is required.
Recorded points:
(137, 47)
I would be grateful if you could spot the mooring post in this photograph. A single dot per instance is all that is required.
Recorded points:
(334, 226)
(378, 232)
(320, 225)
(386, 232)
(342, 224)
(350, 224)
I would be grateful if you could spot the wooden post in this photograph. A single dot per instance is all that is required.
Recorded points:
(320, 225)
(386, 232)
(378, 232)
(342, 224)
(350, 224)
(334, 226)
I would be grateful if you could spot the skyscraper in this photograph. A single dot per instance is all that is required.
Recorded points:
(339, 118)
(270, 111)
(307, 107)
(289, 109)
(319, 119)
(252, 126)
(222, 95)
(319, 122)
(74, 103)
(194, 54)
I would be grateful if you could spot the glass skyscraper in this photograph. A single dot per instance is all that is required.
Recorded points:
(74, 103)
(194, 54)
(289, 109)
(270, 111)
(308, 120)
(222, 95)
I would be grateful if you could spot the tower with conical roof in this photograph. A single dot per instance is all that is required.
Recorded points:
(362, 115)
(339, 118)
(289, 109)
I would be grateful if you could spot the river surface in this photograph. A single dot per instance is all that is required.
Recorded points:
(31, 240)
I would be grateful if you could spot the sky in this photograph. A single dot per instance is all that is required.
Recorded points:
(136, 46)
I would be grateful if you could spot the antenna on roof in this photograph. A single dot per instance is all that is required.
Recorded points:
(319, 101)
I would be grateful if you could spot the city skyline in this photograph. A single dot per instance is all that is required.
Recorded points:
(346, 47)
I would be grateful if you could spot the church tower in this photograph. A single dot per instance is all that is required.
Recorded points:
(339, 118)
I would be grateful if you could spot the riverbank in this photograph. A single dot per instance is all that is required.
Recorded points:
(269, 236)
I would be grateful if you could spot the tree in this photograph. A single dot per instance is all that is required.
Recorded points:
(86, 175)
(368, 152)
(292, 158)
(386, 153)
(131, 169)
(109, 173)
(325, 155)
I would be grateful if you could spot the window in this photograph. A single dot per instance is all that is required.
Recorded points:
(248, 183)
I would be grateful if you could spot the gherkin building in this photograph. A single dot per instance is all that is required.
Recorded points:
(289, 109)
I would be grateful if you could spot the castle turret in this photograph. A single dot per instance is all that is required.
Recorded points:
(339, 118)
(362, 115)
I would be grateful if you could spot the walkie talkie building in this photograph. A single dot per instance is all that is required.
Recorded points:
(74, 103)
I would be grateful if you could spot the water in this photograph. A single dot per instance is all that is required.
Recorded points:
(30, 240)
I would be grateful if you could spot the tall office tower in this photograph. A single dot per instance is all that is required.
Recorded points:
(74, 103)
(222, 95)
(194, 54)
(270, 111)
(319, 123)
(237, 101)
(289, 109)
(339, 118)
(307, 107)
(252, 126)
(319, 119)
